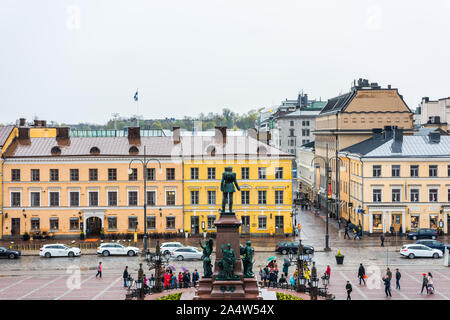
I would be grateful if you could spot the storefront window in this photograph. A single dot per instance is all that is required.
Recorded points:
(433, 222)
(414, 222)
(377, 222)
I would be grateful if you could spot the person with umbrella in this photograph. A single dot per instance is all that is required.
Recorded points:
(286, 265)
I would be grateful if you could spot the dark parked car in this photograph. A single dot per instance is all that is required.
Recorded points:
(7, 253)
(433, 244)
(423, 234)
(285, 247)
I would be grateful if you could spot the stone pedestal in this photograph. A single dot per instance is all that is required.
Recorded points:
(239, 289)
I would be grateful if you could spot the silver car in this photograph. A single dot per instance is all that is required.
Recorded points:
(186, 253)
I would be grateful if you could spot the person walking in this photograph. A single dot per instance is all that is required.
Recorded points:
(99, 270)
(382, 239)
(389, 273)
(424, 283)
(125, 276)
(348, 288)
(195, 277)
(398, 275)
(328, 273)
(346, 232)
(286, 265)
(361, 274)
(387, 286)
(430, 283)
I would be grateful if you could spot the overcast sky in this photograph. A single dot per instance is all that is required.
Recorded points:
(82, 60)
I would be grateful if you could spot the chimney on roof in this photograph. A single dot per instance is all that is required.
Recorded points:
(264, 137)
(134, 133)
(220, 134)
(22, 122)
(425, 99)
(24, 133)
(434, 137)
(377, 133)
(176, 135)
(62, 133)
(389, 86)
(388, 132)
(398, 135)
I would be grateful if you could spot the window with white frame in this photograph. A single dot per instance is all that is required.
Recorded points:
(414, 195)
(54, 198)
(262, 222)
(262, 197)
(15, 199)
(376, 195)
(211, 197)
(35, 198)
(433, 195)
(112, 198)
(74, 198)
(194, 197)
(279, 196)
(396, 193)
(93, 198)
(132, 198)
(170, 198)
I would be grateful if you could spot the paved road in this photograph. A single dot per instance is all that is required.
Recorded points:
(32, 277)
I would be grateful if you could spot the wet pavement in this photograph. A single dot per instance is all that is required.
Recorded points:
(31, 272)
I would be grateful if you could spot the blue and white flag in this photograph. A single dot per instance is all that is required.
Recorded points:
(136, 96)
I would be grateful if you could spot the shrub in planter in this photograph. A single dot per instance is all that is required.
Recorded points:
(339, 258)
(81, 235)
(284, 296)
(26, 236)
(175, 296)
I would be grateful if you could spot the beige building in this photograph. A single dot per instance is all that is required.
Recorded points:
(399, 181)
(349, 119)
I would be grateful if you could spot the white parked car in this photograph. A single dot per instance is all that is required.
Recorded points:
(419, 250)
(59, 250)
(169, 247)
(107, 249)
(186, 253)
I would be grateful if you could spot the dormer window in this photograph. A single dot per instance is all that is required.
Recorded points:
(56, 151)
(94, 151)
(133, 150)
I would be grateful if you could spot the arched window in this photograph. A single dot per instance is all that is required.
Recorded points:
(133, 150)
(94, 151)
(56, 151)
(211, 150)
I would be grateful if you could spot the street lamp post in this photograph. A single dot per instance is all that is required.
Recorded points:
(327, 170)
(144, 162)
(314, 282)
(300, 260)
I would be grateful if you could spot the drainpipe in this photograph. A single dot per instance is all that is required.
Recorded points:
(3, 220)
(362, 195)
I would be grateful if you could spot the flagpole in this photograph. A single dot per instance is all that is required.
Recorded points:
(137, 109)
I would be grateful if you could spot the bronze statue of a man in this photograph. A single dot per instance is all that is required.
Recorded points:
(227, 187)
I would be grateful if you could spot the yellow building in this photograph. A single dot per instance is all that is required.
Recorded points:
(66, 184)
(7, 135)
(264, 174)
(392, 180)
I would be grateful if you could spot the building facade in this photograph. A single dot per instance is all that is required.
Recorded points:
(398, 181)
(68, 185)
(264, 203)
(432, 111)
(349, 119)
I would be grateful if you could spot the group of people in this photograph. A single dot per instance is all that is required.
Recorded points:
(269, 275)
(183, 280)
(357, 231)
(427, 281)
(170, 279)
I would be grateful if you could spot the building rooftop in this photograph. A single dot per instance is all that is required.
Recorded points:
(4, 134)
(155, 146)
(406, 147)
